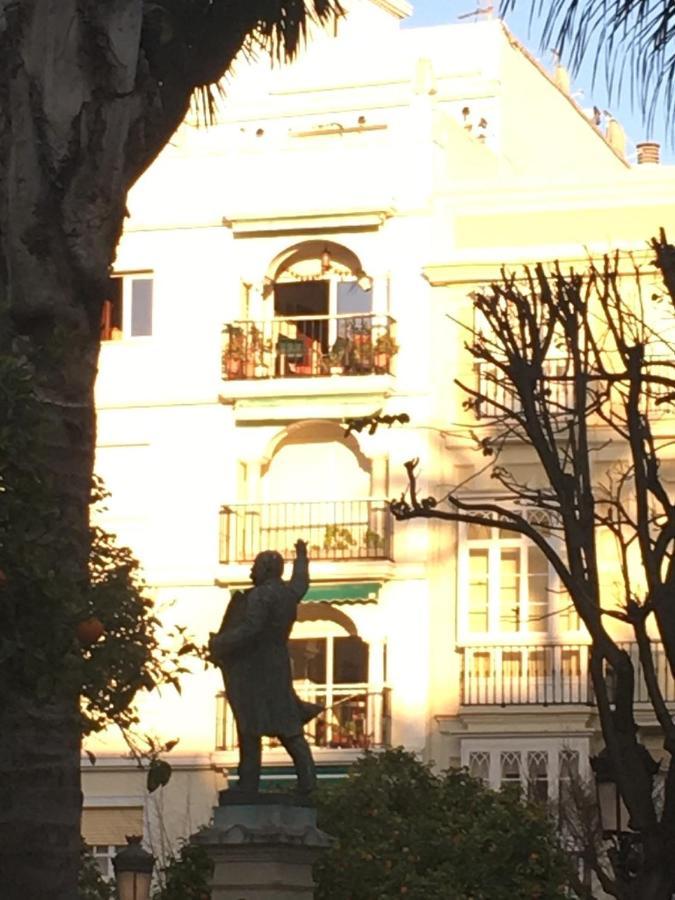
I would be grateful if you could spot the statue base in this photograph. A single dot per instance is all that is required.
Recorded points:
(262, 846)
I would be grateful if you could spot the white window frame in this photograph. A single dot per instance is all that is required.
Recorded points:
(127, 279)
(552, 746)
(333, 278)
(524, 633)
(103, 855)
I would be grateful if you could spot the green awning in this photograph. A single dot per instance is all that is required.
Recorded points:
(349, 592)
(281, 778)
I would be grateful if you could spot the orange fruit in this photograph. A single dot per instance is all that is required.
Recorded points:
(89, 630)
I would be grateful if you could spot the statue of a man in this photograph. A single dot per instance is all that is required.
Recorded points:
(251, 649)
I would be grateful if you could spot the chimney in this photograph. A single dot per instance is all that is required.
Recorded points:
(648, 153)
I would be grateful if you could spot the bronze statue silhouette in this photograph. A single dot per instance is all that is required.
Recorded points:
(251, 649)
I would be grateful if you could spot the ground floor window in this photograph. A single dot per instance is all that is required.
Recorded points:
(104, 830)
(542, 768)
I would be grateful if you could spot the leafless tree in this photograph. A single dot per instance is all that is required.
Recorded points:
(574, 366)
(90, 92)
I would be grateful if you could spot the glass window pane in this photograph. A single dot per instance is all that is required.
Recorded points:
(350, 660)
(568, 763)
(479, 765)
(301, 298)
(537, 589)
(475, 532)
(111, 314)
(352, 298)
(510, 768)
(538, 663)
(308, 659)
(509, 590)
(537, 776)
(569, 617)
(571, 663)
(512, 664)
(478, 590)
(481, 665)
(141, 307)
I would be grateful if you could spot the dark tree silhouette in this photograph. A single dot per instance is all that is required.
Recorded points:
(90, 93)
(571, 367)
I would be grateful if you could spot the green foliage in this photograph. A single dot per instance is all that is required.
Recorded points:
(186, 877)
(404, 831)
(91, 884)
(337, 537)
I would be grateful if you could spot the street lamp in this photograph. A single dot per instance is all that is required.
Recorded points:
(613, 812)
(614, 817)
(133, 870)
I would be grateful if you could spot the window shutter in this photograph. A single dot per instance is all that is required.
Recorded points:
(111, 825)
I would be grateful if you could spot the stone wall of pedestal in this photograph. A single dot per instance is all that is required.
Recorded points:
(262, 847)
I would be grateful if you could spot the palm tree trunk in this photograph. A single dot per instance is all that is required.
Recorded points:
(40, 799)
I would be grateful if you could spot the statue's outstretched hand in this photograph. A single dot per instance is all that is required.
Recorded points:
(301, 548)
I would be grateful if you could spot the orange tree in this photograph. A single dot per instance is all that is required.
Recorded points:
(403, 831)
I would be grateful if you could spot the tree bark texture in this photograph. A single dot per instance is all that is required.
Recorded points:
(90, 93)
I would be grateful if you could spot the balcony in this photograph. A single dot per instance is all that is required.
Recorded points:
(517, 675)
(308, 346)
(355, 717)
(547, 675)
(333, 529)
(498, 396)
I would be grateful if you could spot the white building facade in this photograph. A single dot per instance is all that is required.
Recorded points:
(301, 263)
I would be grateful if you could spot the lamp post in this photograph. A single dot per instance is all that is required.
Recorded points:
(133, 870)
(614, 817)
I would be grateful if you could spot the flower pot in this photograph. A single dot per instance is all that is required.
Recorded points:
(381, 361)
(232, 367)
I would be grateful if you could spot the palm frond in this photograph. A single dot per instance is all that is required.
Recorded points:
(632, 43)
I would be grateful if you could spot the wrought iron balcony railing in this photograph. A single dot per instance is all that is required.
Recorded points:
(664, 676)
(333, 529)
(541, 674)
(548, 675)
(498, 396)
(355, 717)
(306, 346)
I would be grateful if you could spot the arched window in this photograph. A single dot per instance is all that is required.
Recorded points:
(324, 300)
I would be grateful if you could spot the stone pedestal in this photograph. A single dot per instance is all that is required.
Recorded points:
(263, 847)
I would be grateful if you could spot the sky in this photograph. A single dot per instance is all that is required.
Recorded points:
(437, 12)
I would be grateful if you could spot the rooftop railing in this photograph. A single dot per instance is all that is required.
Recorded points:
(309, 346)
(333, 529)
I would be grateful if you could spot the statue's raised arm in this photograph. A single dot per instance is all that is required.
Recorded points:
(299, 581)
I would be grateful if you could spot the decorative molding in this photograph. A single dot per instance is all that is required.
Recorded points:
(303, 223)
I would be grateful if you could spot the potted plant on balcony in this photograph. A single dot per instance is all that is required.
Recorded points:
(234, 352)
(338, 537)
(372, 542)
(335, 359)
(361, 350)
(384, 349)
(258, 349)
